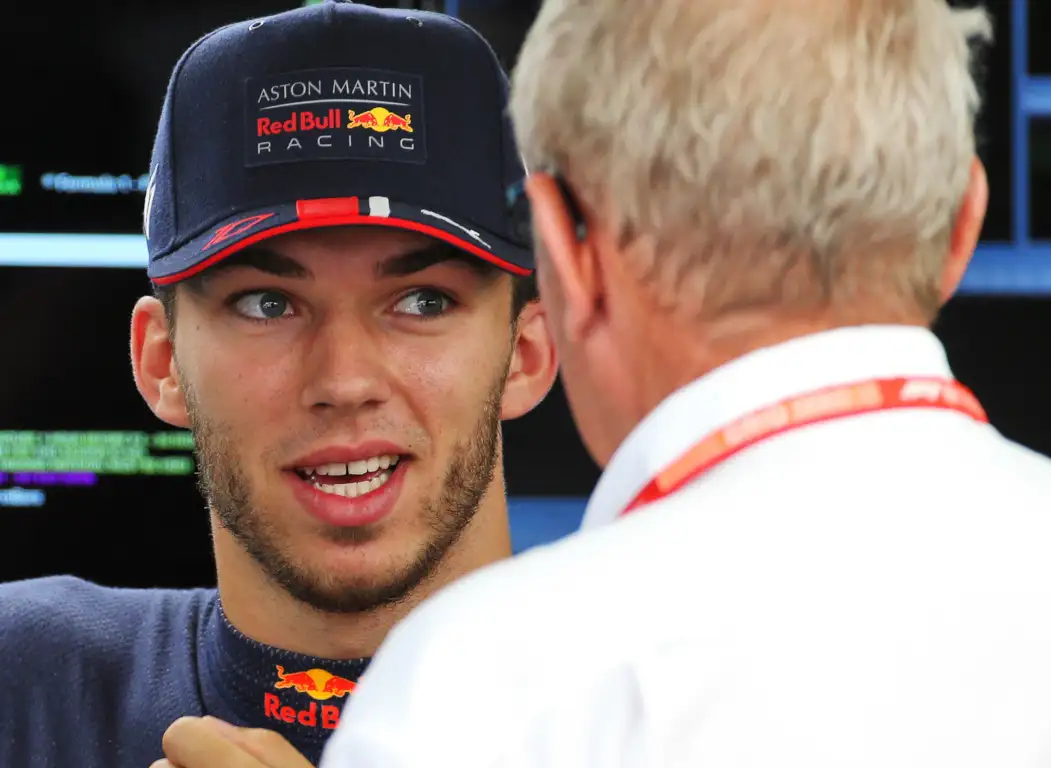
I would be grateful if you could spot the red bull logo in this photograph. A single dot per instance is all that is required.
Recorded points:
(379, 119)
(318, 685)
(298, 121)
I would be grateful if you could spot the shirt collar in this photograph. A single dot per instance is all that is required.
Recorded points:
(254, 685)
(763, 377)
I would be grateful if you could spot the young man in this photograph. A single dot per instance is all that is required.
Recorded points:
(343, 318)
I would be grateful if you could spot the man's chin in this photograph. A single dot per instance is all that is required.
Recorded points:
(353, 577)
(349, 596)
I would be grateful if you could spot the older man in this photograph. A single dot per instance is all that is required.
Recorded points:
(808, 546)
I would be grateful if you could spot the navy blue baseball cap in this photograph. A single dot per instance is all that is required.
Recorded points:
(334, 114)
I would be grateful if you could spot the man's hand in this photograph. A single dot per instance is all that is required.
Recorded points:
(206, 742)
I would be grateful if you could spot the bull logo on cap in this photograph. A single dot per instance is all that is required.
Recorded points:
(379, 119)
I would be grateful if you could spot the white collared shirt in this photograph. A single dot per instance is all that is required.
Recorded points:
(871, 591)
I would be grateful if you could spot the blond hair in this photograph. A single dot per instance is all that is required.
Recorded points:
(760, 152)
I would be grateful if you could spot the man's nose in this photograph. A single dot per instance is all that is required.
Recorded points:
(346, 367)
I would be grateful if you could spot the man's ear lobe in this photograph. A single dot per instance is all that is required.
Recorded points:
(153, 363)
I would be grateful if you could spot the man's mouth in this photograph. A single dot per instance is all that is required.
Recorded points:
(353, 479)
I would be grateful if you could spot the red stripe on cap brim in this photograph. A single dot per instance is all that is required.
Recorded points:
(341, 221)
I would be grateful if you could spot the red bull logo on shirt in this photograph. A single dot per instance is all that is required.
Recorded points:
(319, 685)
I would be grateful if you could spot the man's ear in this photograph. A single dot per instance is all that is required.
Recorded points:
(534, 364)
(153, 363)
(569, 257)
(967, 228)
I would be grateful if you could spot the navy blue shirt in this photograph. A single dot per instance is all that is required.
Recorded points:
(93, 676)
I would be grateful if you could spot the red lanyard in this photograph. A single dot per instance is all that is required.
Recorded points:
(823, 405)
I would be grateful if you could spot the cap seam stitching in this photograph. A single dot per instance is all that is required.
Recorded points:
(500, 76)
(176, 82)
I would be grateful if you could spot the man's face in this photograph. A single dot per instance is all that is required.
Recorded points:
(344, 390)
(585, 380)
(589, 330)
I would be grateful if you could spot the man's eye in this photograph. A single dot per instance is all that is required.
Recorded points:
(263, 305)
(425, 302)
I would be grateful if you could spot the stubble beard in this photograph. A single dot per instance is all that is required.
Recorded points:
(446, 516)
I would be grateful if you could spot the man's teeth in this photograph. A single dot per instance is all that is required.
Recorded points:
(352, 490)
(362, 467)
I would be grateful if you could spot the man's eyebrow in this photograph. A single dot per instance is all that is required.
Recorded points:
(406, 264)
(261, 259)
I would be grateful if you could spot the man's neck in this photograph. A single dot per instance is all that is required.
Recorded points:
(682, 352)
(266, 613)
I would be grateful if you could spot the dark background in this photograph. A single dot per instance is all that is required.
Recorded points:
(83, 96)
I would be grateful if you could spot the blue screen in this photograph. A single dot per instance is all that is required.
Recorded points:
(542, 520)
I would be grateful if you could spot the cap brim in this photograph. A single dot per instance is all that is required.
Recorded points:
(245, 228)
